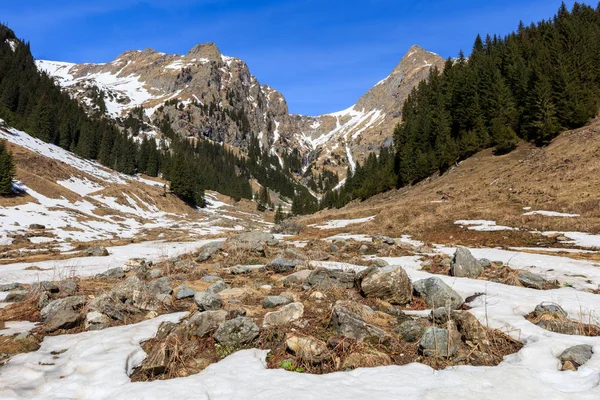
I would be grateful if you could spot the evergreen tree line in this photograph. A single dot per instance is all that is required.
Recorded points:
(7, 170)
(529, 85)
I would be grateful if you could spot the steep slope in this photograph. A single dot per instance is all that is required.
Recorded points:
(205, 94)
(532, 189)
(79, 201)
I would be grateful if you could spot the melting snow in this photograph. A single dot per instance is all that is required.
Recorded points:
(342, 223)
(483, 225)
(551, 214)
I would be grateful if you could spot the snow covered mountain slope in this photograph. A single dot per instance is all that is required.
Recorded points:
(204, 94)
(79, 201)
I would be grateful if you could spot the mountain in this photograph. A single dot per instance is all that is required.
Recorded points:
(205, 94)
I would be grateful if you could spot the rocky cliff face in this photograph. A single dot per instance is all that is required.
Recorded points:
(204, 94)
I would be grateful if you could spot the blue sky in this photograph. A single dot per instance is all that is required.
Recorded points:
(322, 55)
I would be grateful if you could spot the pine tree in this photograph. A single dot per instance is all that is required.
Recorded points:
(279, 214)
(7, 170)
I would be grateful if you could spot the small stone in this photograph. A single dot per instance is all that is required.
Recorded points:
(296, 279)
(550, 308)
(364, 249)
(410, 331)
(208, 250)
(470, 328)
(217, 287)
(307, 348)
(379, 263)
(440, 315)
(236, 294)
(437, 342)
(465, 265)
(485, 263)
(284, 315)
(211, 278)
(7, 287)
(317, 296)
(154, 273)
(322, 278)
(184, 292)
(164, 329)
(276, 301)
(96, 321)
(577, 355)
(531, 280)
(437, 293)
(367, 359)
(37, 226)
(134, 264)
(207, 301)
(202, 323)
(113, 273)
(282, 265)
(16, 296)
(236, 332)
(151, 315)
(96, 251)
(160, 286)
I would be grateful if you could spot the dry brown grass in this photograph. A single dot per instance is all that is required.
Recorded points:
(564, 177)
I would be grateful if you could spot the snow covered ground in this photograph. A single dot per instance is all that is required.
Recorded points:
(482, 225)
(94, 359)
(342, 223)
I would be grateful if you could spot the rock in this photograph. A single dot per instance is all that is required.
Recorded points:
(63, 319)
(96, 251)
(410, 331)
(185, 265)
(367, 359)
(134, 264)
(16, 296)
(217, 287)
(307, 348)
(236, 332)
(265, 288)
(322, 278)
(437, 342)
(137, 292)
(96, 321)
(437, 293)
(287, 227)
(485, 263)
(164, 329)
(154, 273)
(317, 296)
(44, 286)
(7, 287)
(282, 265)
(564, 327)
(252, 241)
(160, 286)
(318, 255)
(470, 328)
(284, 315)
(296, 279)
(294, 254)
(184, 292)
(383, 239)
(66, 304)
(150, 315)
(43, 300)
(211, 278)
(110, 307)
(236, 293)
(276, 301)
(551, 308)
(236, 312)
(208, 301)
(37, 227)
(208, 250)
(238, 270)
(364, 249)
(157, 360)
(379, 263)
(393, 286)
(334, 248)
(202, 323)
(113, 273)
(531, 280)
(68, 287)
(465, 265)
(440, 315)
(576, 355)
(348, 319)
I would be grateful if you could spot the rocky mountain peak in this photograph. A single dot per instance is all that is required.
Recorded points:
(209, 50)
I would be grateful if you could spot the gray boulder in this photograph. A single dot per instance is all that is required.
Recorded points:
(348, 319)
(440, 315)
(208, 250)
(287, 227)
(485, 263)
(217, 287)
(211, 278)
(284, 315)
(296, 279)
(184, 292)
(208, 301)
(322, 278)
(96, 321)
(579, 354)
(531, 280)
(160, 286)
(66, 304)
(276, 301)
(16, 296)
(379, 263)
(392, 286)
(63, 319)
(410, 331)
(37, 227)
(44, 286)
(465, 265)
(68, 287)
(437, 293)
(438, 342)
(7, 287)
(96, 251)
(202, 323)
(252, 241)
(282, 265)
(551, 308)
(383, 239)
(236, 332)
(113, 273)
